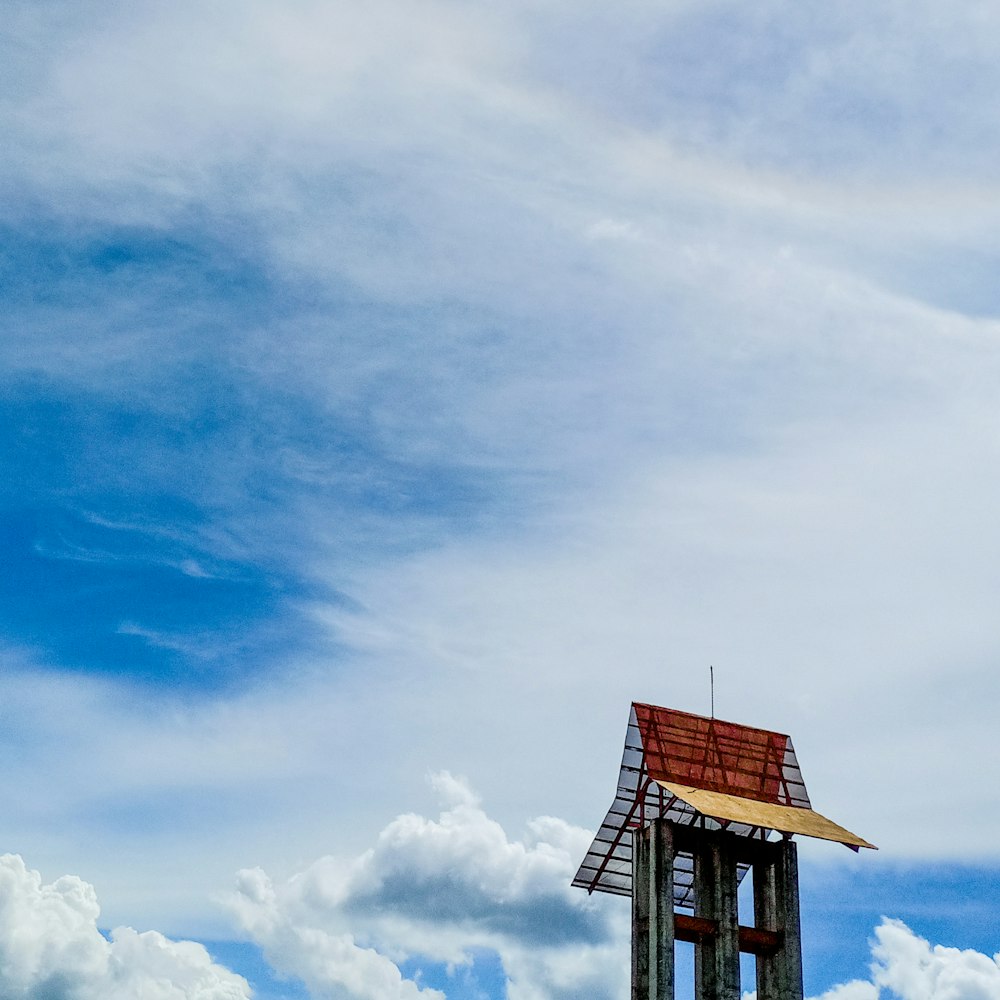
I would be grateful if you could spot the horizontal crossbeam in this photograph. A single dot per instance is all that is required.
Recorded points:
(753, 940)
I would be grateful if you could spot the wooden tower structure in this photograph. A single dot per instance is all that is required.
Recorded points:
(701, 803)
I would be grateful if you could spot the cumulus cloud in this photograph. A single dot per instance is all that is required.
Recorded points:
(330, 964)
(51, 949)
(429, 889)
(908, 967)
(911, 968)
(856, 989)
(441, 889)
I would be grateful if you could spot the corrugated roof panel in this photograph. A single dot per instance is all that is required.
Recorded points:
(747, 769)
(723, 756)
(786, 819)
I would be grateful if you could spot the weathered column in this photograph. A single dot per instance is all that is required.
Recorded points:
(776, 908)
(640, 914)
(717, 957)
(653, 912)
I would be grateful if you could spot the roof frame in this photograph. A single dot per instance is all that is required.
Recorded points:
(703, 773)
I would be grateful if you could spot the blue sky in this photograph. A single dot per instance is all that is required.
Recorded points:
(391, 395)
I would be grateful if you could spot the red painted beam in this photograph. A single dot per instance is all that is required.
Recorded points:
(753, 940)
(694, 929)
(756, 941)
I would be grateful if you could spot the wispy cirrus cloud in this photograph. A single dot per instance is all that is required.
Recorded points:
(444, 377)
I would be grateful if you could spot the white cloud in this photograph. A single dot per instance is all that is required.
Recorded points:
(912, 969)
(51, 949)
(331, 964)
(856, 989)
(908, 967)
(429, 889)
(740, 447)
(850, 554)
(440, 888)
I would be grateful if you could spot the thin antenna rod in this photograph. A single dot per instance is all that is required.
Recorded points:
(711, 678)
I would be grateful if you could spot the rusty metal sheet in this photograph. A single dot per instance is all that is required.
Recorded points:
(721, 756)
(786, 819)
(742, 764)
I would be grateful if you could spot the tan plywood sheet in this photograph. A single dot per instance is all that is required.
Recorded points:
(786, 819)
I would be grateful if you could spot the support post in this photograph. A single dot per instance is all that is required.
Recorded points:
(717, 957)
(640, 914)
(776, 908)
(653, 912)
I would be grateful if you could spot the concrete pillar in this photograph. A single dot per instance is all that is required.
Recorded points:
(661, 911)
(640, 914)
(776, 908)
(653, 912)
(717, 958)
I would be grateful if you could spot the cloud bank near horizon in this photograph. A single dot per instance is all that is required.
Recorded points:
(430, 893)
(441, 889)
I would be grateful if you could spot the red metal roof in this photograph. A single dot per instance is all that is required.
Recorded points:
(665, 745)
(719, 756)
